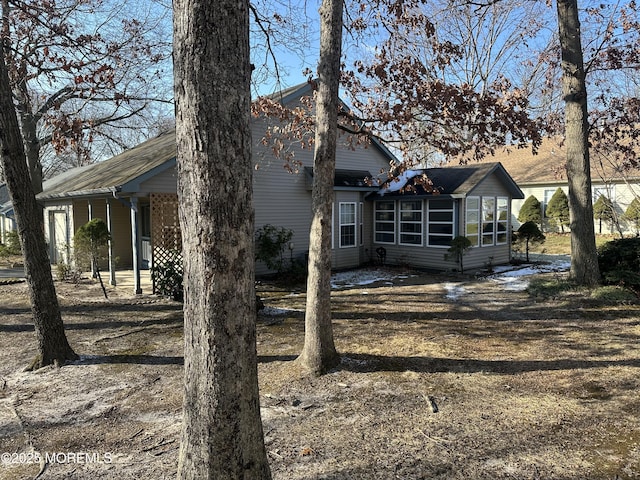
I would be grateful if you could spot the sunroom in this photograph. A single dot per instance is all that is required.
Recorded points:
(414, 226)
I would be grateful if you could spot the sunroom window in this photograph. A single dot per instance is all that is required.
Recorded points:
(385, 222)
(411, 222)
(440, 222)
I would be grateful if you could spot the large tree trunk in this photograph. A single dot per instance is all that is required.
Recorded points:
(319, 352)
(53, 347)
(222, 431)
(584, 259)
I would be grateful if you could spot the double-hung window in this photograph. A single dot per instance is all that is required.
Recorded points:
(347, 224)
(439, 222)
(385, 222)
(472, 220)
(488, 220)
(502, 220)
(411, 222)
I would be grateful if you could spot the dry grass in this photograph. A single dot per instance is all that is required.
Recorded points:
(560, 243)
(492, 385)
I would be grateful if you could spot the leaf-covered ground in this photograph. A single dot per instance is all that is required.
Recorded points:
(482, 384)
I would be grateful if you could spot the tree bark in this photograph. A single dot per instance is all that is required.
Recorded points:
(319, 353)
(222, 434)
(584, 259)
(53, 347)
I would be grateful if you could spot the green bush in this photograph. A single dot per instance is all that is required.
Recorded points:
(11, 245)
(531, 211)
(619, 262)
(271, 242)
(529, 234)
(558, 209)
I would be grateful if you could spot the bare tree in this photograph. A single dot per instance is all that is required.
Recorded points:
(319, 352)
(53, 347)
(222, 432)
(78, 69)
(584, 259)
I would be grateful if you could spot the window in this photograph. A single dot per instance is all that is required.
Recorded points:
(347, 225)
(502, 220)
(385, 222)
(411, 222)
(547, 198)
(606, 190)
(488, 220)
(440, 223)
(472, 220)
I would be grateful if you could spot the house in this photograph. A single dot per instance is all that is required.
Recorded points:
(135, 193)
(542, 174)
(416, 227)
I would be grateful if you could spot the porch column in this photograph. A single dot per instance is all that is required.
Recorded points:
(90, 214)
(112, 270)
(135, 228)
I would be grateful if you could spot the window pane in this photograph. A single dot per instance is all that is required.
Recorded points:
(440, 204)
(410, 216)
(385, 237)
(488, 209)
(411, 228)
(441, 228)
(441, 216)
(439, 241)
(411, 205)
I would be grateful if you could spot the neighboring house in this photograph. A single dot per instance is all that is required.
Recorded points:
(542, 174)
(7, 219)
(416, 228)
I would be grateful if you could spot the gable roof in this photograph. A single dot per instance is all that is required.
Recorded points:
(122, 173)
(548, 166)
(458, 181)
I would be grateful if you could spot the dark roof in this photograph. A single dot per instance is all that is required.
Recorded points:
(348, 179)
(122, 173)
(457, 181)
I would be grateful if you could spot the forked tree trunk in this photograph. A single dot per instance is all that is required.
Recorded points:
(53, 347)
(222, 434)
(584, 259)
(319, 353)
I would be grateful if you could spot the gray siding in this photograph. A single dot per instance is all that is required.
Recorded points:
(283, 199)
(165, 182)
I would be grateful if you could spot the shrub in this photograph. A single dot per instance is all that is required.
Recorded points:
(90, 241)
(529, 234)
(632, 215)
(271, 242)
(11, 245)
(558, 209)
(619, 262)
(531, 211)
(167, 277)
(457, 250)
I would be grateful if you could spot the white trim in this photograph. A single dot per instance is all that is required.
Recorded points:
(411, 222)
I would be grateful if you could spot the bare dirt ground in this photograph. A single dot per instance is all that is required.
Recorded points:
(491, 384)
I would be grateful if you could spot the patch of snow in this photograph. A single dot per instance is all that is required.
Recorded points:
(514, 279)
(396, 184)
(454, 290)
(275, 312)
(354, 278)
